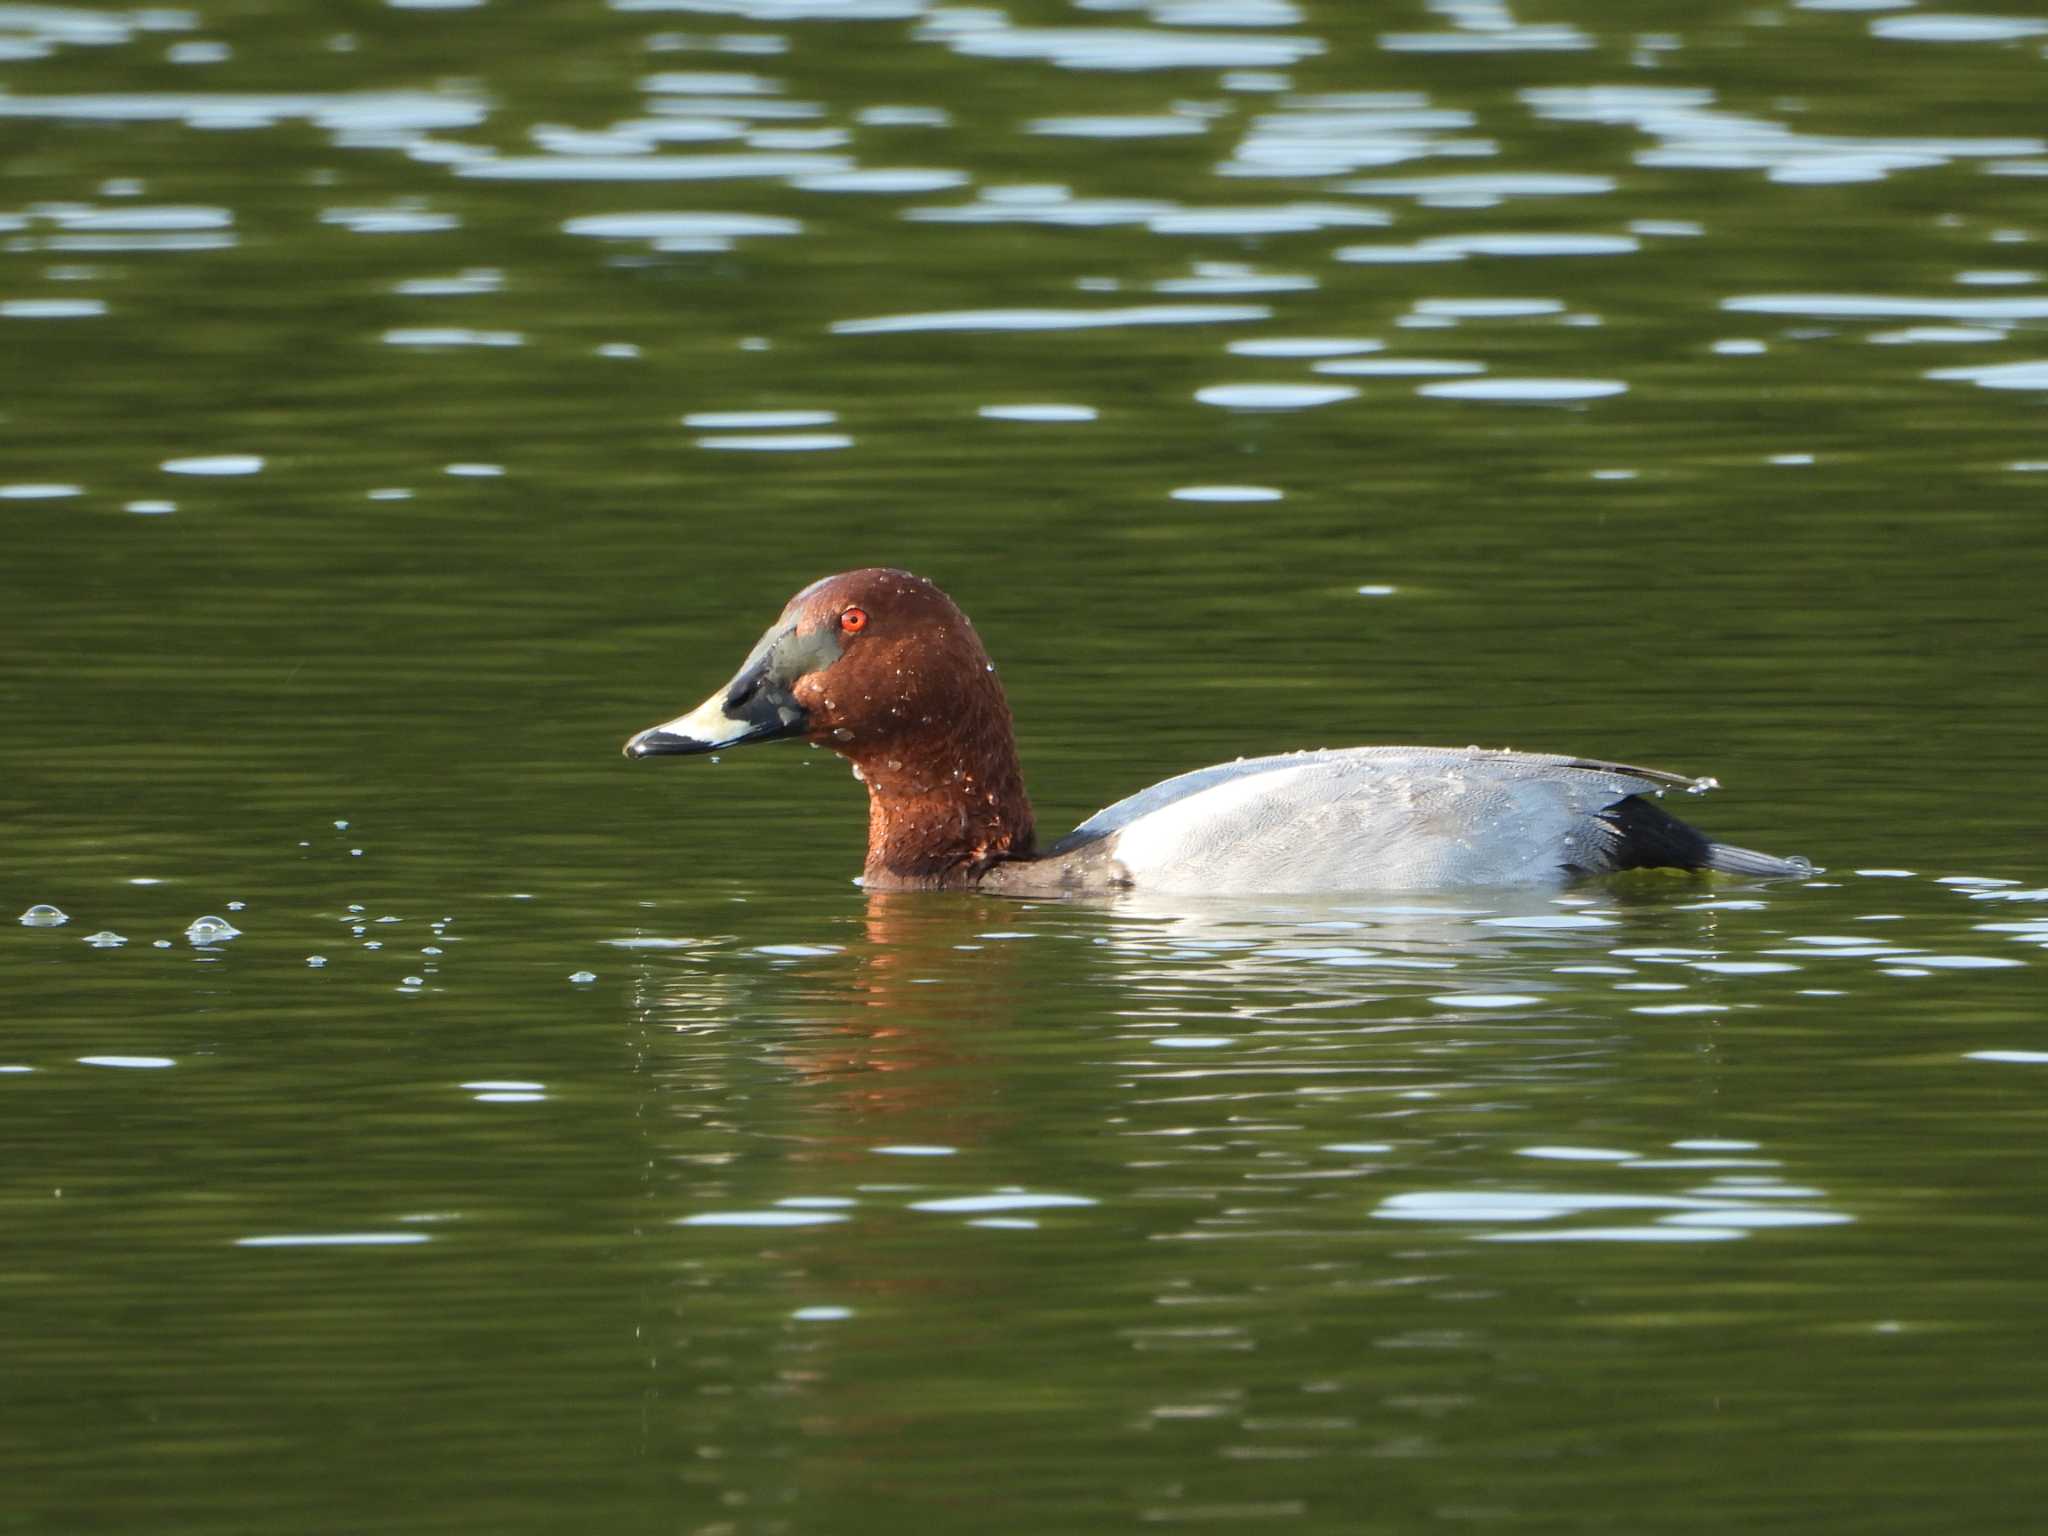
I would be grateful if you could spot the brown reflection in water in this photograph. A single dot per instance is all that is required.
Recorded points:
(903, 1057)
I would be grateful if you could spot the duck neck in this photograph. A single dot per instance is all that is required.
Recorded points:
(944, 812)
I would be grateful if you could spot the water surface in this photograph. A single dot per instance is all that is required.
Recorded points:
(404, 405)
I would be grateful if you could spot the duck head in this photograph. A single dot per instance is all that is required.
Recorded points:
(881, 667)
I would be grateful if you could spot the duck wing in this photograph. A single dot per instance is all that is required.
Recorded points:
(1388, 818)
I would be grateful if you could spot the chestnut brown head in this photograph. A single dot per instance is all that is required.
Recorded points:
(862, 662)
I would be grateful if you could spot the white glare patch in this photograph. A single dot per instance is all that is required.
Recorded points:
(778, 442)
(1577, 1154)
(742, 421)
(776, 1218)
(141, 1062)
(333, 1240)
(1226, 493)
(1274, 397)
(1044, 413)
(1009, 1200)
(1524, 391)
(51, 309)
(215, 464)
(451, 336)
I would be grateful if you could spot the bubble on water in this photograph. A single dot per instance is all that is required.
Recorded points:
(373, 944)
(43, 915)
(431, 949)
(414, 981)
(583, 978)
(106, 938)
(212, 930)
(161, 944)
(316, 961)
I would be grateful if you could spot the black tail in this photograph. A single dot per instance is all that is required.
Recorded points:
(1646, 836)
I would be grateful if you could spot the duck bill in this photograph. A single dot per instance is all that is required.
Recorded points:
(711, 728)
(757, 705)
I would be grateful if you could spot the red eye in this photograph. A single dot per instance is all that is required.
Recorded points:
(854, 620)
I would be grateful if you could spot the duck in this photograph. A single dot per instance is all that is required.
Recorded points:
(882, 667)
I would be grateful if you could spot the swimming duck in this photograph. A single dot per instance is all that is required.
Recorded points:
(883, 668)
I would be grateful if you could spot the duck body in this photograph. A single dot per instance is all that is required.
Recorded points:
(880, 666)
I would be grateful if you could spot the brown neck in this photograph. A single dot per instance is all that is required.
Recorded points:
(946, 810)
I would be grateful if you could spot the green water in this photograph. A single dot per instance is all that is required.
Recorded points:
(1661, 1206)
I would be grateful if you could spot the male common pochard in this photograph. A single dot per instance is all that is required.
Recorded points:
(883, 668)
